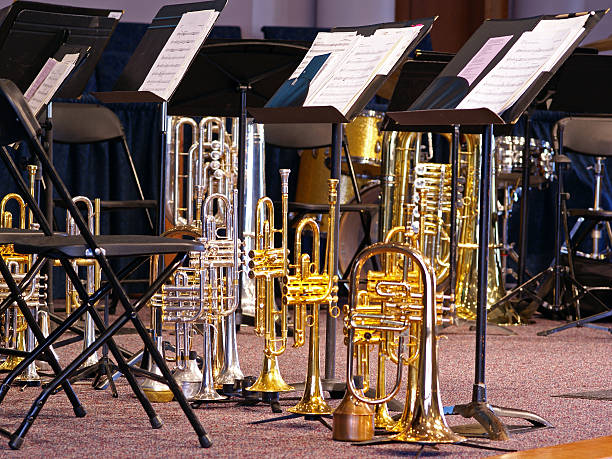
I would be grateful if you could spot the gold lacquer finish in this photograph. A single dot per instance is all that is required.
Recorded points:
(15, 332)
(268, 263)
(406, 175)
(400, 302)
(309, 286)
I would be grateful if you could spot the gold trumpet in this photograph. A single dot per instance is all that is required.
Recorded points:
(267, 263)
(309, 286)
(16, 333)
(401, 303)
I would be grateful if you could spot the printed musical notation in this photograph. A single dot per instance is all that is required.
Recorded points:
(48, 81)
(178, 52)
(535, 51)
(354, 61)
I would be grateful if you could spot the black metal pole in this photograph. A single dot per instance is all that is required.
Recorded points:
(48, 145)
(559, 166)
(242, 128)
(479, 393)
(522, 247)
(161, 204)
(453, 211)
(330, 329)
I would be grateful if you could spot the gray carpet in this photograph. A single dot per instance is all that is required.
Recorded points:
(524, 371)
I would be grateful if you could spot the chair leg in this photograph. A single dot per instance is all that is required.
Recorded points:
(154, 419)
(63, 193)
(79, 411)
(61, 328)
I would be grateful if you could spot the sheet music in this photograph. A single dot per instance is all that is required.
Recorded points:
(367, 57)
(334, 43)
(396, 40)
(178, 52)
(48, 81)
(570, 27)
(483, 58)
(533, 53)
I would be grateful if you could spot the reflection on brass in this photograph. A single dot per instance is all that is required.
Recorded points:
(268, 262)
(309, 286)
(16, 334)
(399, 307)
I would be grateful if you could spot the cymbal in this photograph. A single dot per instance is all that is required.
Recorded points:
(604, 44)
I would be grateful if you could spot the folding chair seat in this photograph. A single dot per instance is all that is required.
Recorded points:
(18, 123)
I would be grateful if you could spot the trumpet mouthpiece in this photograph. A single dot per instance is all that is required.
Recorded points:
(284, 173)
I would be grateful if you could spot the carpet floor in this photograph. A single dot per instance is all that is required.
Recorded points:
(524, 371)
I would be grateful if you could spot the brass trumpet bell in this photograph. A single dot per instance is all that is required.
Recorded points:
(312, 402)
(270, 379)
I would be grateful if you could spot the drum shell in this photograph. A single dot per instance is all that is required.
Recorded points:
(364, 139)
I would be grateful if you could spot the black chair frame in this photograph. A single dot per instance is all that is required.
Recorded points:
(18, 123)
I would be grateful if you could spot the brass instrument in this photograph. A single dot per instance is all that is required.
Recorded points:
(16, 333)
(93, 276)
(405, 175)
(309, 286)
(403, 303)
(200, 171)
(467, 229)
(267, 263)
(204, 292)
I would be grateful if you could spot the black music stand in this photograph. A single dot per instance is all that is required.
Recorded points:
(126, 91)
(221, 80)
(31, 33)
(435, 110)
(290, 110)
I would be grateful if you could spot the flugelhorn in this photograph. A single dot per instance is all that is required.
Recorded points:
(268, 262)
(401, 299)
(311, 286)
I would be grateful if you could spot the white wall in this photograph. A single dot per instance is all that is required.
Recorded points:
(336, 13)
(251, 15)
(525, 8)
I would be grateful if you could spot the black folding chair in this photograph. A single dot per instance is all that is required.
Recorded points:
(18, 123)
(81, 124)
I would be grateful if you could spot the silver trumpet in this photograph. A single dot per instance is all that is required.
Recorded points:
(205, 292)
(92, 282)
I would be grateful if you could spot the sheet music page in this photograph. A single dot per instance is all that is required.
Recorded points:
(533, 53)
(397, 40)
(369, 56)
(48, 81)
(348, 77)
(483, 58)
(178, 52)
(334, 43)
(570, 27)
